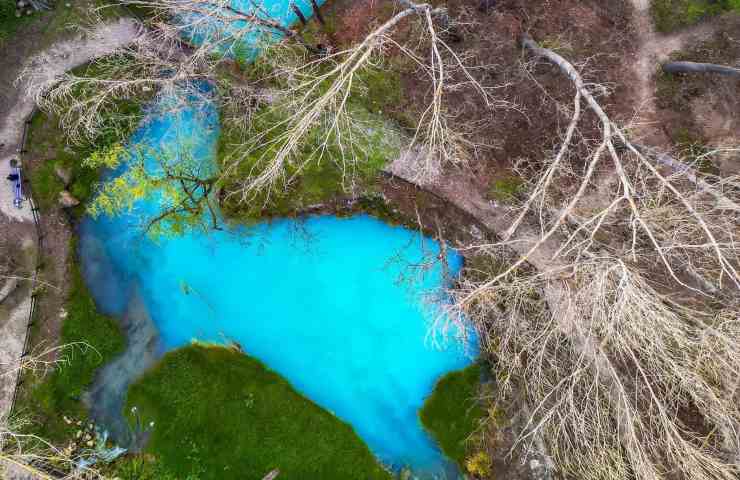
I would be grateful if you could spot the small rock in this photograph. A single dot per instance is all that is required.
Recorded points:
(21, 4)
(90, 444)
(68, 5)
(66, 200)
(64, 174)
(78, 434)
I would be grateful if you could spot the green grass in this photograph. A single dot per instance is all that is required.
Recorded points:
(220, 415)
(59, 393)
(451, 413)
(670, 15)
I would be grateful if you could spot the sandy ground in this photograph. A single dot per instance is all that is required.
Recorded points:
(40, 72)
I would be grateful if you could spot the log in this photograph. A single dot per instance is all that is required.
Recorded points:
(693, 67)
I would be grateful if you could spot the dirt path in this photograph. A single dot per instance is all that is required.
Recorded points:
(43, 69)
(654, 49)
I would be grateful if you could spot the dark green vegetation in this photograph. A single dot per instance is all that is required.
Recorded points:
(95, 339)
(451, 413)
(219, 414)
(671, 15)
(9, 23)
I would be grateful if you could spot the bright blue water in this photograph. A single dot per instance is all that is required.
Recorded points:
(334, 305)
(240, 38)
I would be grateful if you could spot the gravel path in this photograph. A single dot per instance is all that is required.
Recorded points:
(44, 68)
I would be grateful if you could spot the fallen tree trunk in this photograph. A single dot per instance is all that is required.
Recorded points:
(692, 67)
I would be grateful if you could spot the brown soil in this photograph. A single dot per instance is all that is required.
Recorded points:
(702, 111)
(527, 131)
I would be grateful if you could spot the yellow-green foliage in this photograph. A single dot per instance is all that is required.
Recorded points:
(120, 193)
(478, 464)
(174, 178)
(109, 157)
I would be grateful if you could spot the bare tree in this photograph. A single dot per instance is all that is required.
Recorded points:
(618, 323)
(305, 104)
(27, 454)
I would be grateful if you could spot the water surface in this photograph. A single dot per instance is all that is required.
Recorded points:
(334, 305)
(337, 306)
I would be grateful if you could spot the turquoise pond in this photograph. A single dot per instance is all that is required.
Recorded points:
(337, 306)
(340, 307)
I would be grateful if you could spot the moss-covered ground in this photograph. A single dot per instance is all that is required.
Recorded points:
(452, 413)
(48, 149)
(671, 15)
(505, 189)
(219, 414)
